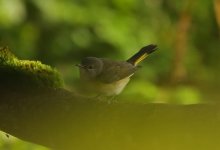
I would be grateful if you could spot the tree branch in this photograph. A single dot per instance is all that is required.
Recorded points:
(59, 119)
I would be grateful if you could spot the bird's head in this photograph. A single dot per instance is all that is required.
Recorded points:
(90, 67)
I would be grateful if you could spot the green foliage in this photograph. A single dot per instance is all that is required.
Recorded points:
(186, 95)
(143, 92)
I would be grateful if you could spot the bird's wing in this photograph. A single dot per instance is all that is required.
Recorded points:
(115, 71)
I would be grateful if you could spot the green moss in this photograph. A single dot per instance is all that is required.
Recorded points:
(26, 73)
(6, 57)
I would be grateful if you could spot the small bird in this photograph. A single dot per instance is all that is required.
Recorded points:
(108, 77)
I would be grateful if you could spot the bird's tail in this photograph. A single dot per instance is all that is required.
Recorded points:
(142, 54)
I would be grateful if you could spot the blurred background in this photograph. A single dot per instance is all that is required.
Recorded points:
(184, 70)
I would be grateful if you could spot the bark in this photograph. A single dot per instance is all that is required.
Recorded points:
(217, 12)
(179, 71)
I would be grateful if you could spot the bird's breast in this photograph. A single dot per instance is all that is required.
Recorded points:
(114, 88)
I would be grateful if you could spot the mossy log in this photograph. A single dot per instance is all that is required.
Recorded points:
(35, 107)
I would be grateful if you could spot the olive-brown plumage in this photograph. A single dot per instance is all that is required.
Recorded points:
(109, 77)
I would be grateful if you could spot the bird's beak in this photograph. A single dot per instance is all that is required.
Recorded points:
(79, 65)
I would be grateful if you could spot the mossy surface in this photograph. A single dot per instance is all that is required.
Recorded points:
(26, 73)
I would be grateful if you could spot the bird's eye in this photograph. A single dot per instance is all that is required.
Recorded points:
(90, 67)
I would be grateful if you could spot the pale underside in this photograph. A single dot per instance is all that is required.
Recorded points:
(111, 89)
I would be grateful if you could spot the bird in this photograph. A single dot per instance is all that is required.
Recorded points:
(107, 77)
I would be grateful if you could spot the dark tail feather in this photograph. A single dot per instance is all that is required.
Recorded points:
(142, 54)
